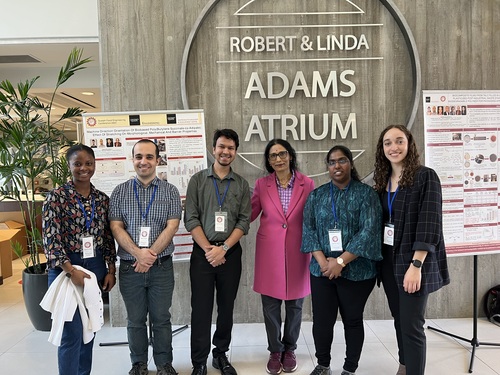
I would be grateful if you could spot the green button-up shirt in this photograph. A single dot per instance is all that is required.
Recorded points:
(202, 203)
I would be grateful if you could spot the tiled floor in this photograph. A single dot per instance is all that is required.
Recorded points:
(24, 351)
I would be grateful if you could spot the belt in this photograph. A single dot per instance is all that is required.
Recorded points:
(216, 243)
(157, 262)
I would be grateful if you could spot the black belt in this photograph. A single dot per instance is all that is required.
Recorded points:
(157, 262)
(217, 243)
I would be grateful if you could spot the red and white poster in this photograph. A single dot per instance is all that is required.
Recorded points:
(461, 145)
(180, 136)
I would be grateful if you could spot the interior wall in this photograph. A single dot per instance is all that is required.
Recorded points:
(141, 53)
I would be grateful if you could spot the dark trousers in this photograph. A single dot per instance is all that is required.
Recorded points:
(349, 298)
(408, 311)
(271, 308)
(205, 280)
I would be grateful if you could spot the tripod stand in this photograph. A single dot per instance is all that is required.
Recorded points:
(150, 336)
(474, 340)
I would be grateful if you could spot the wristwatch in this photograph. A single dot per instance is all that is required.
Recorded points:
(340, 261)
(416, 263)
(225, 247)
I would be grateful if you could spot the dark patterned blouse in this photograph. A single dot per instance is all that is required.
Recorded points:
(63, 224)
(359, 216)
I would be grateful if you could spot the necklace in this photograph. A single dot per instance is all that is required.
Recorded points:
(284, 184)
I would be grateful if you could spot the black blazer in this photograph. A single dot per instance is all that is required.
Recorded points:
(418, 226)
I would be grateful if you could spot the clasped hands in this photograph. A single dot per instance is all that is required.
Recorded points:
(331, 268)
(215, 255)
(145, 258)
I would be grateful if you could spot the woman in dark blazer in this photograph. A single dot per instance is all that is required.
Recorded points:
(414, 253)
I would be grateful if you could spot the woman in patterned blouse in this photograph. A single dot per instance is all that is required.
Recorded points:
(74, 217)
(342, 226)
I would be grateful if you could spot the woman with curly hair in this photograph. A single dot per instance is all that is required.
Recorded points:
(414, 263)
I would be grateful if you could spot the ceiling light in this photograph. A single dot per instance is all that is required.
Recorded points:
(88, 93)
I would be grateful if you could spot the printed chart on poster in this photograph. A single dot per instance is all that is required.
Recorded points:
(461, 145)
(180, 136)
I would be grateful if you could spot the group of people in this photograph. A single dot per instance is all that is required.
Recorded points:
(333, 242)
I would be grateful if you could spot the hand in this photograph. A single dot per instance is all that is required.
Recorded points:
(216, 256)
(412, 279)
(109, 282)
(145, 258)
(331, 268)
(78, 277)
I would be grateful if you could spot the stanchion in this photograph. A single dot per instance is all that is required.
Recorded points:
(474, 340)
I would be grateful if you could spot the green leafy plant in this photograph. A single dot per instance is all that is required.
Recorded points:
(31, 143)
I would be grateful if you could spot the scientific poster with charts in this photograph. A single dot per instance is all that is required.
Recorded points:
(461, 145)
(180, 136)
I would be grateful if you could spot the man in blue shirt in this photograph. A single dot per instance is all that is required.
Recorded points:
(145, 214)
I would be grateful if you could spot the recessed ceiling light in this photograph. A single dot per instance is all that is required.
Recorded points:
(88, 93)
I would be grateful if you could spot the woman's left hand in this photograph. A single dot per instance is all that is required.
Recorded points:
(412, 279)
(332, 270)
(109, 282)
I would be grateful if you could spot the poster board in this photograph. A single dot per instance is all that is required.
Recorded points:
(461, 145)
(180, 136)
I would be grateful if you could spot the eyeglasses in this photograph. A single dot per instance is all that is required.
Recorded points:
(281, 154)
(333, 163)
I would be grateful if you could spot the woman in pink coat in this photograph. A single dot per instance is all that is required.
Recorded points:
(281, 270)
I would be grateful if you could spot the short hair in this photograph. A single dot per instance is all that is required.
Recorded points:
(77, 148)
(144, 140)
(348, 155)
(227, 133)
(291, 153)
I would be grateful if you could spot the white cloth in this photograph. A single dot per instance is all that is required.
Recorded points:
(62, 299)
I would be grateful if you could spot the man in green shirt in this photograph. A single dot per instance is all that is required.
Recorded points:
(217, 215)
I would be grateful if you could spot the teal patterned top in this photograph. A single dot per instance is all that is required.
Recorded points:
(359, 217)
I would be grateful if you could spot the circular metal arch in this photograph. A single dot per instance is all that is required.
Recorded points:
(393, 10)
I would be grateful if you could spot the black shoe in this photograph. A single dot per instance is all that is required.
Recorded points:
(199, 370)
(222, 363)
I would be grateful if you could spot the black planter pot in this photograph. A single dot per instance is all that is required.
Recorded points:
(34, 288)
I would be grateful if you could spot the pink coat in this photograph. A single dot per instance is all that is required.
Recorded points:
(281, 270)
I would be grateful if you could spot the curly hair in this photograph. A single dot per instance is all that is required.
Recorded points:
(411, 162)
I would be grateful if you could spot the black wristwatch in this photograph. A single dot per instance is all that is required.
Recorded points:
(416, 263)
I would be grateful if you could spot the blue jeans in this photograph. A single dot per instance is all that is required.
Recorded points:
(144, 293)
(73, 356)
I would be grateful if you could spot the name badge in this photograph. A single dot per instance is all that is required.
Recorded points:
(221, 221)
(88, 247)
(144, 236)
(389, 234)
(335, 236)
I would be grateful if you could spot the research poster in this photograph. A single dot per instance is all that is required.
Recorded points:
(180, 136)
(461, 145)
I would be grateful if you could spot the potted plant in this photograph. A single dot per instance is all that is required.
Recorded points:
(31, 141)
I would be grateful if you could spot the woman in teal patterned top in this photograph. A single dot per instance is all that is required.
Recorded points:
(342, 227)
